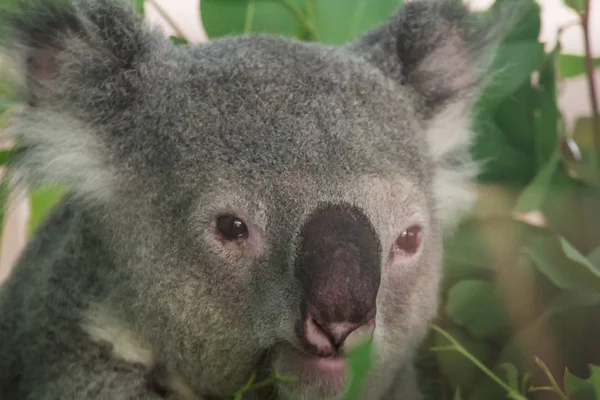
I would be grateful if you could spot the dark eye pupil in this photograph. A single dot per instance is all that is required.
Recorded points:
(409, 240)
(231, 228)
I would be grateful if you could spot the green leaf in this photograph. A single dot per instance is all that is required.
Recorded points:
(177, 41)
(455, 367)
(577, 388)
(571, 65)
(529, 25)
(594, 257)
(569, 299)
(585, 173)
(514, 115)
(465, 254)
(360, 362)
(457, 395)
(475, 305)
(576, 256)
(6, 156)
(138, 5)
(535, 194)
(42, 201)
(560, 262)
(339, 21)
(504, 162)
(594, 379)
(512, 67)
(229, 17)
(577, 5)
(547, 118)
(512, 375)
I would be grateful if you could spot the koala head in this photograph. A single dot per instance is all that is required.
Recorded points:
(264, 201)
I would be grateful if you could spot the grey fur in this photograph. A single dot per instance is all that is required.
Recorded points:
(154, 141)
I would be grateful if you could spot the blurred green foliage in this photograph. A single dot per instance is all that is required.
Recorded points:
(520, 299)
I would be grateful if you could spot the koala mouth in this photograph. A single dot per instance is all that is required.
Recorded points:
(333, 366)
(324, 367)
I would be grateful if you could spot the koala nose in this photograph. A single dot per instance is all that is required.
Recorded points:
(328, 338)
(338, 266)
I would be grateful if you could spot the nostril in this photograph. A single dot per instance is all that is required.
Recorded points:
(317, 336)
(326, 338)
(363, 333)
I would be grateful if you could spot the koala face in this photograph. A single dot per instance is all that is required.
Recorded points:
(265, 201)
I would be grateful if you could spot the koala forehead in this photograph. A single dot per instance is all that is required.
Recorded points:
(250, 108)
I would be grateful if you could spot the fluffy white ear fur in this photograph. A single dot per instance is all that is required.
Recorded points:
(71, 155)
(450, 136)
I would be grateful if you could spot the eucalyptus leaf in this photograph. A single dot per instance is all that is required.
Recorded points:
(359, 362)
(504, 162)
(457, 395)
(576, 5)
(567, 300)
(585, 173)
(139, 6)
(339, 21)
(594, 257)
(512, 66)
(41, 202)
(456, 369)
(547, 116)
(560, 262)
(475, 305)
(594, 379)
(512, 375)
(535, 194)
(233, 17)
(177, 41)
(572, 65)
(577, 388)
(6, 156)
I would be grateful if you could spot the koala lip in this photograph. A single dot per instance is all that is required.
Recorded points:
(331, 365)
(331, 369)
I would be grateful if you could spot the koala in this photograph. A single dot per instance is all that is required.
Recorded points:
(249, 203)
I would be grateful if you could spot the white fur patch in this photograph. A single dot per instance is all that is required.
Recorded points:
(103, 327)
(449, 135)
(65, 152)
(126, 344)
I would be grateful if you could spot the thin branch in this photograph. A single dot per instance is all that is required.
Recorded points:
(302, 18)
(555, 388)
(584, 17)
(169, 20)
(589, 63)
(249, 17)
(459, 348)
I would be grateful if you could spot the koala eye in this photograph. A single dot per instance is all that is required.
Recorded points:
(231, 228)
(409, 240)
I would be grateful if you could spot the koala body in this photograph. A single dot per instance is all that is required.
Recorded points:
(237, 204)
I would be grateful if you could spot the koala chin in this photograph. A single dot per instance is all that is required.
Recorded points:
(250, 202)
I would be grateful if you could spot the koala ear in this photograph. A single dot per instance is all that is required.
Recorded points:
(437, 48)
(74, 62)
(49, 39)
(439, 52)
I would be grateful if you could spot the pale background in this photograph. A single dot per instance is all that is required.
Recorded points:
(573, 100)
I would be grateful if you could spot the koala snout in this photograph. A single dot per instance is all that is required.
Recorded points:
(330, 338)
(338, 266)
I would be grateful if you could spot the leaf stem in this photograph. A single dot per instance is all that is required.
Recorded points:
(249, 17)
(584, 16)
(555, 388)
(513, 394)
(170, 21)
(302, 18)
(590, 74)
